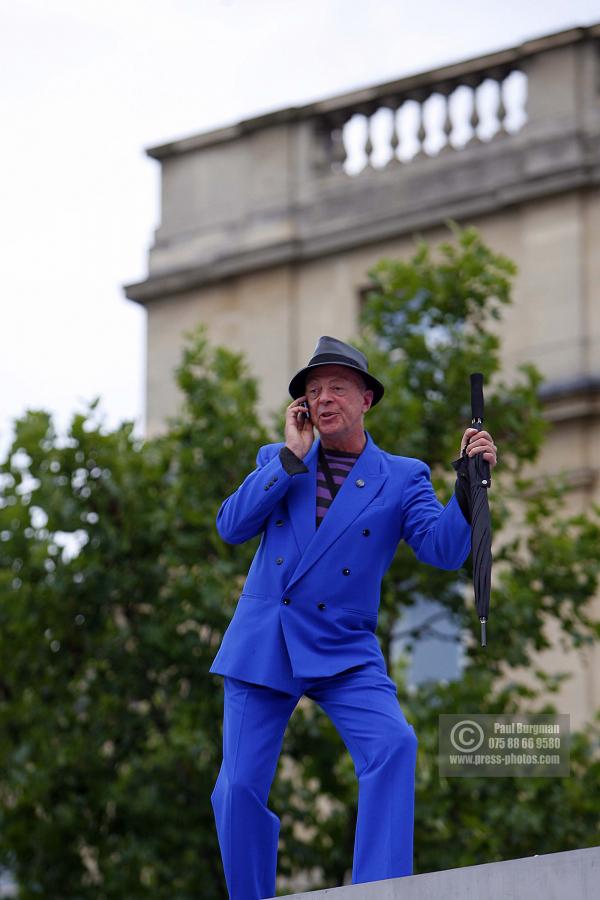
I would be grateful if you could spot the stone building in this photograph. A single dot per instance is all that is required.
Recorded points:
(269, 227)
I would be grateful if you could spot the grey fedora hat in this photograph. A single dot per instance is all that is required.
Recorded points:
(330, 351)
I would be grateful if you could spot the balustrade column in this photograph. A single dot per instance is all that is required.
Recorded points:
(487, 112)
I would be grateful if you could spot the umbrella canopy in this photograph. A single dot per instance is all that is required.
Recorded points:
(474, 473)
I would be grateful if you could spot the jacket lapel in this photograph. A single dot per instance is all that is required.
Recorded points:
(302, 500)
(363, 482)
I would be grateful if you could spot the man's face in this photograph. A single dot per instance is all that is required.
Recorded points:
(337, 399)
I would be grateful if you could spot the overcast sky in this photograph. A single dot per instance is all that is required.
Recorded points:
(88, 84)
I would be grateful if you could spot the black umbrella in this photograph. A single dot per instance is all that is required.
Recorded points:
(474, 474)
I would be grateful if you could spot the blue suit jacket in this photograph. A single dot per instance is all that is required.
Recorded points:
(310, 601)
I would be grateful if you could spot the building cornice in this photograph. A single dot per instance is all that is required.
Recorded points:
(509, 57)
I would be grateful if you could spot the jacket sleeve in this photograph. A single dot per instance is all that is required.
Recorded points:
(243, 514)
(439, 535)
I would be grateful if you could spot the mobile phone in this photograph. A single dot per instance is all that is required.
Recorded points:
(306, 414)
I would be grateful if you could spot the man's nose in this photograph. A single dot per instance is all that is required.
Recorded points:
(325, 397)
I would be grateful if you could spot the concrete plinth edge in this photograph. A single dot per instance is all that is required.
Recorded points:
(573, 874)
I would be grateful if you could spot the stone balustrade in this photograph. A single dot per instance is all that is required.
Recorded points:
(417, 122)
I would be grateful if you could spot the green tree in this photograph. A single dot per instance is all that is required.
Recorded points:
(115, 590)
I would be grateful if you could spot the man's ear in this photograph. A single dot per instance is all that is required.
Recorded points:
(368, 399)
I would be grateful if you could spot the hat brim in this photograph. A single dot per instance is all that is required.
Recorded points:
(298, 382)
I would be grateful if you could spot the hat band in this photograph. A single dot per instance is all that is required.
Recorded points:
(336, 357)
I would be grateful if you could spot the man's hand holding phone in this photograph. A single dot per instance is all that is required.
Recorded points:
(299, 431)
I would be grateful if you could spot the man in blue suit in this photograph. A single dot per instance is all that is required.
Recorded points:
(331, 513)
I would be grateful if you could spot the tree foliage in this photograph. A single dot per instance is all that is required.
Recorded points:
(115, 590)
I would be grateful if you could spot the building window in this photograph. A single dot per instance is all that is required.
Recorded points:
(429, 639)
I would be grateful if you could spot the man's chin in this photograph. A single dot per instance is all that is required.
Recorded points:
(331, 427)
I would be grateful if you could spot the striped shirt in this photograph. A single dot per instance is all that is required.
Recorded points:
(340, 463)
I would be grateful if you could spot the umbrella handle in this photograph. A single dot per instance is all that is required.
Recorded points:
(483, 621)
(477, 399)
(477, 407)
(477, 422)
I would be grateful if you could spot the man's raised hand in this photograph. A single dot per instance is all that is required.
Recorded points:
(299, 432)
(479, 442)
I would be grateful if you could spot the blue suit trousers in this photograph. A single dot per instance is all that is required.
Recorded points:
(363, 705)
